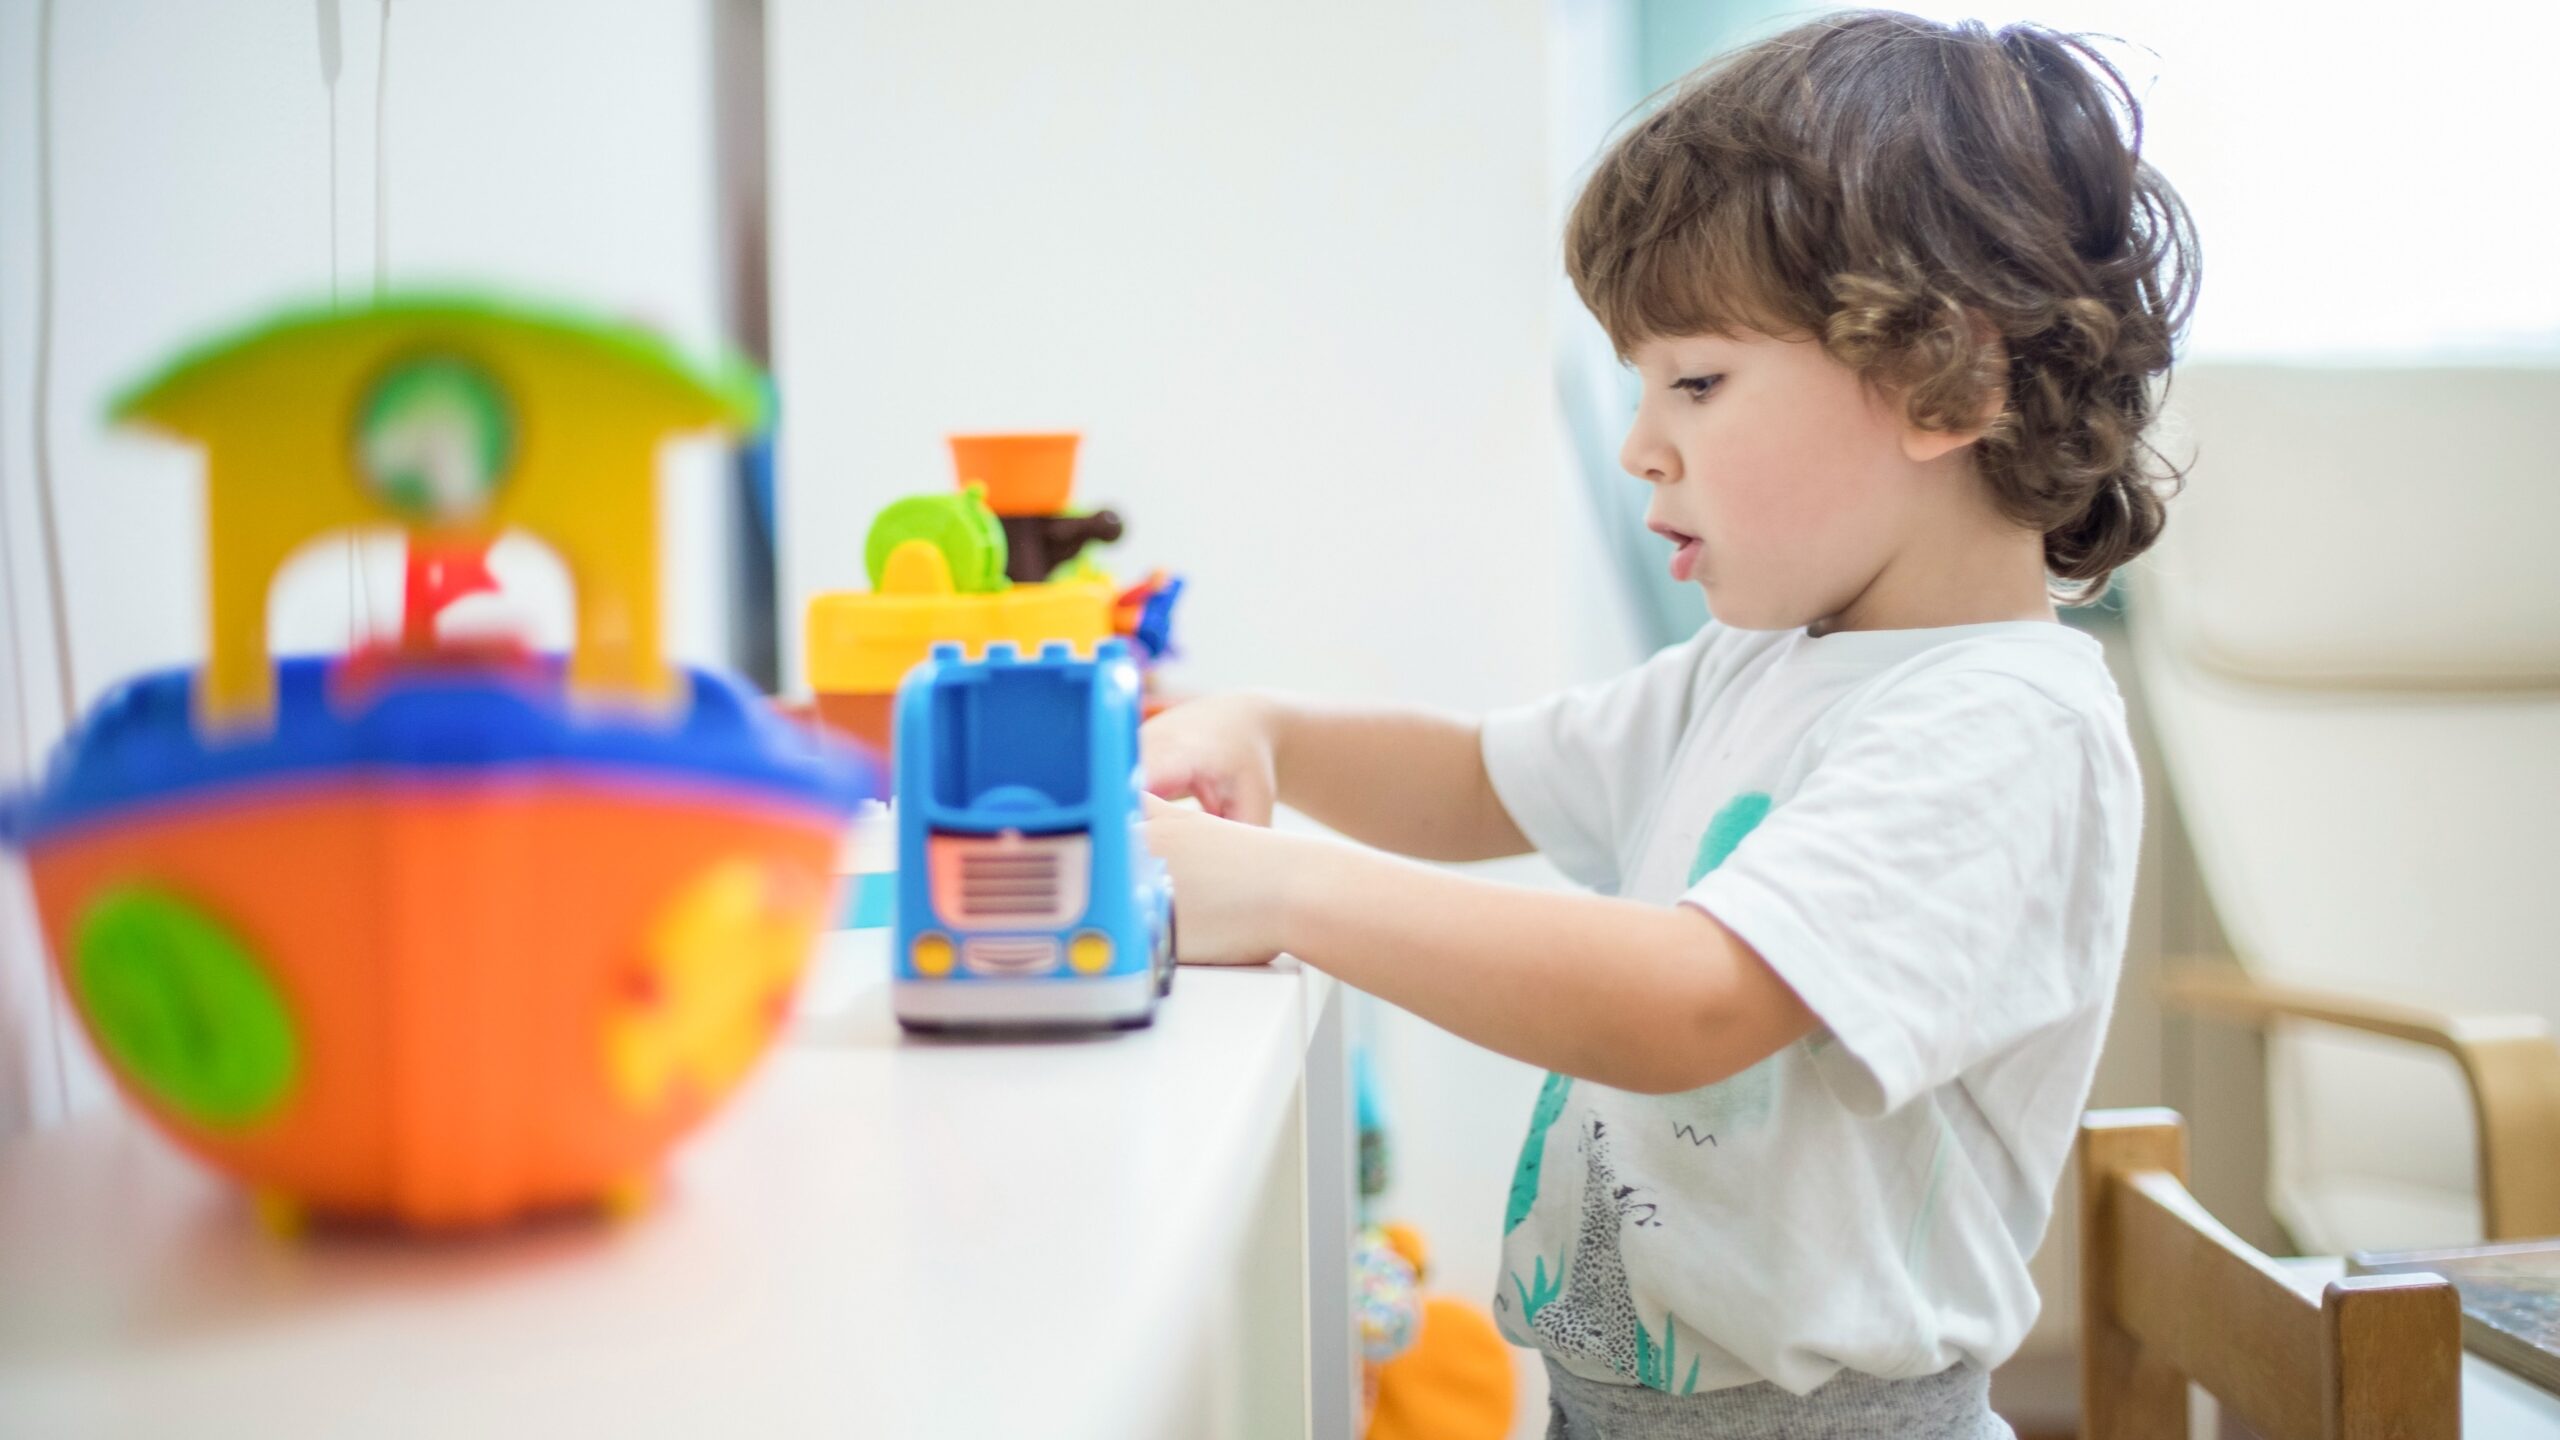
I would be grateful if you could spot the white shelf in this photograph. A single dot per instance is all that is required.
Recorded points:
(1127, 1235)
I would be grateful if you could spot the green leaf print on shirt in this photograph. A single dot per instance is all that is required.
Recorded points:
(1654, 1364)
(1751, 1093)
(1536, 1293)
(1586, 1307)
(1747, 1098)
(1524, 1180)
(1740, 816)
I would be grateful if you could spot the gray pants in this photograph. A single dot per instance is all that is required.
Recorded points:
(1951, 1405)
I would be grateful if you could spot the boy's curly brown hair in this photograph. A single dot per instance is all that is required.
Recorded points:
(1963, 216)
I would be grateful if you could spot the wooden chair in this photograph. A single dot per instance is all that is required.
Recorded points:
(2168, 1297)
(2510, 1069)
(2348, 644)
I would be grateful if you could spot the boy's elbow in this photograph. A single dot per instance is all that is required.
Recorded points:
(1685, 1048)
(1735, 1013)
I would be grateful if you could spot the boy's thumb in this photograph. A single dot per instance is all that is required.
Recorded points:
(1242, 798)
(1172, 782)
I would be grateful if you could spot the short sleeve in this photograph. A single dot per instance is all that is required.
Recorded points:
(1948, 880)
(1575, 769)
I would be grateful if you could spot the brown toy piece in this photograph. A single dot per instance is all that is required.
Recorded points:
(1036, 545)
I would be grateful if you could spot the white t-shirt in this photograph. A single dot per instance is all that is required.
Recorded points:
(1931, 836)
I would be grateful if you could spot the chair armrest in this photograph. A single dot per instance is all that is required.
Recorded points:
(2509, 1062)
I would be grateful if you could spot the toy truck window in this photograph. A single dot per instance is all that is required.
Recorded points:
(1039, 752)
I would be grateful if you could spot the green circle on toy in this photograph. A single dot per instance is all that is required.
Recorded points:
(959, 525)
(435, 439)
(183, 1007)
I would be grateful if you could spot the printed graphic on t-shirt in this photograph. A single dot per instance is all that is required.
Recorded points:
(1524, 1180)
(1930, 834)
(1740, 816)
(1584, 1307)
(1596, 1316)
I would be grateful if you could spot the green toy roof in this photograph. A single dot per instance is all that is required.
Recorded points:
(729, 383)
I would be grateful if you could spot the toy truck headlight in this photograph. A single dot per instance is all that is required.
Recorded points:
(933, 955)
(1089, 953)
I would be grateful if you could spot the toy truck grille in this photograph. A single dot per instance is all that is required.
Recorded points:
(1010, 882)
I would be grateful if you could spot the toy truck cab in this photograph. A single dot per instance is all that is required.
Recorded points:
(1026, 897)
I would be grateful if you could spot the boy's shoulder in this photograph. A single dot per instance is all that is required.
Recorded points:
(2031, 697)
(2010, 677)
(2048, 660)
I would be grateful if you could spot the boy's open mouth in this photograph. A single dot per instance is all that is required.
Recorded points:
(1684, 559)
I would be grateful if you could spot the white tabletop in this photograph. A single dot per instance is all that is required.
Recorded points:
(881, 1236)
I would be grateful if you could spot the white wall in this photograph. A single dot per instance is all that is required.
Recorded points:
(2363, 179)
(1290, 269)
(561, 150)
(1287, 267)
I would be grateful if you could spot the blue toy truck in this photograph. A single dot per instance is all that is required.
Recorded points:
(1026, 895)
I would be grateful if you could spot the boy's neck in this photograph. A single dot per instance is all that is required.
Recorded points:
(1976, 568)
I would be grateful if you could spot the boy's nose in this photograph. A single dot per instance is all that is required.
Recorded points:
(1655, 464)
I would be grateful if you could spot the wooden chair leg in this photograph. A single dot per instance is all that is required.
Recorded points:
(2123, 1394)
(2381, 1384)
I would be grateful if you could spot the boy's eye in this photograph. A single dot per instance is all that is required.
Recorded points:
(1697, 386)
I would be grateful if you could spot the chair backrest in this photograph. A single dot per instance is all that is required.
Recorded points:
(2169, 1297)
(2349, 645)
(2368, 529)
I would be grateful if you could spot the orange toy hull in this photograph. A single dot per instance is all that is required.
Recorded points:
(505, 993)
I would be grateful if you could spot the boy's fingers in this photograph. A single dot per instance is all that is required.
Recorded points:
(1173, 782)
(1242, 798)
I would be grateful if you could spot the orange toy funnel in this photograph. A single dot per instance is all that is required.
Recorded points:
(1024, 474)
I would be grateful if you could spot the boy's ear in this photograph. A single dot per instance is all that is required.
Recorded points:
(1922, 446)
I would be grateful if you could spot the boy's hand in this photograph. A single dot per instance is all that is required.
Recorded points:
(1217, 750)
(1229, 884)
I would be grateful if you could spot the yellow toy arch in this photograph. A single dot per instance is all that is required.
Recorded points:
(451, 418)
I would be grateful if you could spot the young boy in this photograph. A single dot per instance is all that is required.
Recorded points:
(1864, 846)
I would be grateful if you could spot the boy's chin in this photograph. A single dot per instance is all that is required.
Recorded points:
(1742, 610)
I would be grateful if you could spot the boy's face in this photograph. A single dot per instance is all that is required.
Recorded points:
(1784, 482)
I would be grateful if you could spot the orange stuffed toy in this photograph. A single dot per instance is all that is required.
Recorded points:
(1454, 1380)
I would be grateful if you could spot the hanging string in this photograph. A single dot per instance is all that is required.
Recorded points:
(382, 155)
(26, 770)
(51, 525)
(381, 236)
(17, 647)
(42, 435)
(332, 57)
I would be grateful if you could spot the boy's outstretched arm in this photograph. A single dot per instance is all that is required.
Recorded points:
(1649, 998)
(1410, 781)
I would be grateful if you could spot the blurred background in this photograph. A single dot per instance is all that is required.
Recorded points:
(1294, 272)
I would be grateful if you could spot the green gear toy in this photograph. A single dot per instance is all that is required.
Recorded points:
(959, 525)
